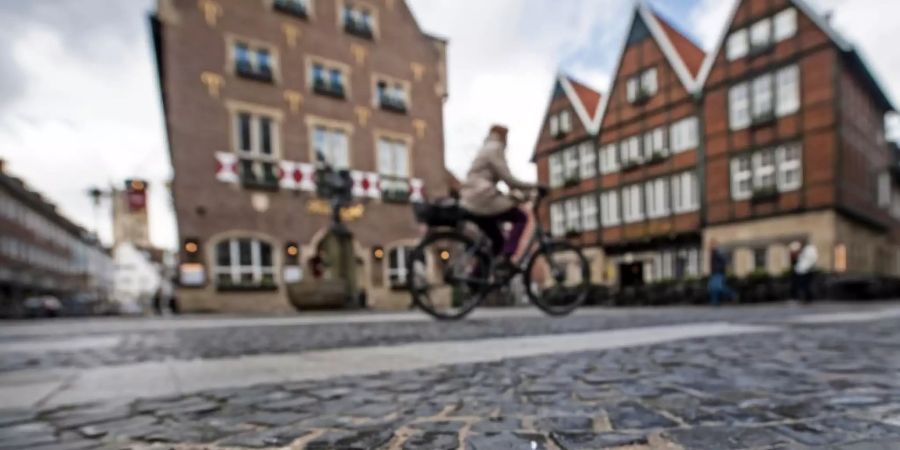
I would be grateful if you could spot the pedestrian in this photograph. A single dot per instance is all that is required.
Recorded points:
(805, 269)
(794, 248)
(718, 285)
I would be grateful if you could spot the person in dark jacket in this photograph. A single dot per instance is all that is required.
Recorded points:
(718, 285)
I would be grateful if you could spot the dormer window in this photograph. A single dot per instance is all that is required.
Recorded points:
(253, 62)
(298, 8)
(643, 86)
(560, 124)
(358, 21)
(328, 81)
(761, 36)
(392, 96)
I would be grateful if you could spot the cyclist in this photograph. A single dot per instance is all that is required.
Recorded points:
(491, 207)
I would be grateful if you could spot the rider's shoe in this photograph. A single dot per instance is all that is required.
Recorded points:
(503, 268)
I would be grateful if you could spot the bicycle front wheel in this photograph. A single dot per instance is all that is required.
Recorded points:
(558, 279)
(448, 275)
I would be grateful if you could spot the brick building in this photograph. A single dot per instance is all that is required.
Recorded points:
(776, 136)
(251, 90)
(44, 253)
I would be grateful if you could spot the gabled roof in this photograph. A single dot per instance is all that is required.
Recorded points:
(584, 99)
(692, 55)
(685, 57)
(822, 22)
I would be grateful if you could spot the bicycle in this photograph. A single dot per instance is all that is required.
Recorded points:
(468, 267)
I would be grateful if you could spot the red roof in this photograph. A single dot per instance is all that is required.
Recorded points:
(589, 98)
(689, 52)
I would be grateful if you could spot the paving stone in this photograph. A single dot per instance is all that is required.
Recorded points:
(812, 434)
(10, 417)
(279, 437)
(432, 441)
(273, 419)
(291, 404)
(594, 441)
(714, 438)
(497, 424)
(506, 441)
(439, 426)
(634, 416)
(351, 440)
(564, 423)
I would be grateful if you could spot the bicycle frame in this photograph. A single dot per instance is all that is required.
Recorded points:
(539, 240)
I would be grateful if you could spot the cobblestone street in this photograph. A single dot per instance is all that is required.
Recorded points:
(812, 383)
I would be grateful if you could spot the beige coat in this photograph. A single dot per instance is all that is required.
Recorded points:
(479, 193)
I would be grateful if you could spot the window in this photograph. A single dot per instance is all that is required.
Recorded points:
(741, 178)
(571, 168)
(642, 86)
(328, 80)
(767, 171)
(649, 83)
(393, 167)
(392, 96)
(589, 212)
(684, 192)
(765, 97)
(632, 86)
(632, 204)
(738, 45)
(332, 143)
(358, 21)
(397, 260)
(609, 208)
(785, 24)
(790, 164)
(556, 170)
(763, 170)
(573, 216)
(760, 256)
(298, 8)
(655, 144)
(884, 190)
(253, 63)
(684, 135)
(588, 160)
(609, 159)
(630, 150)
(256, 140)
(761, 34)
(565, 122)
(557, 220)
(762, 98)
(657, 198)
(560, 124)
(788, 88)
(739, 106)
(244, 263)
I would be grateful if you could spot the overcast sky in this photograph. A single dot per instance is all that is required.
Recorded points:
(79, 102)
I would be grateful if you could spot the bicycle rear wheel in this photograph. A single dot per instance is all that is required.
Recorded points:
(448, 275)
(558, 279)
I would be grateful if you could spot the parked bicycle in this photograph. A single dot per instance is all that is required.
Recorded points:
(451, 272)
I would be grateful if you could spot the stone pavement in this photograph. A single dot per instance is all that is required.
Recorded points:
(117, 342)
(808, 386)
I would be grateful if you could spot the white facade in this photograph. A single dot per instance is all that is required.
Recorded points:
(137, 279)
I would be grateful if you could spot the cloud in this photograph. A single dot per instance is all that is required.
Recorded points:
(503, 57)
(89, 114)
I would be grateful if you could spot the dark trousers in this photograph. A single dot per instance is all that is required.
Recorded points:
(804, 286)
(491, 226)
